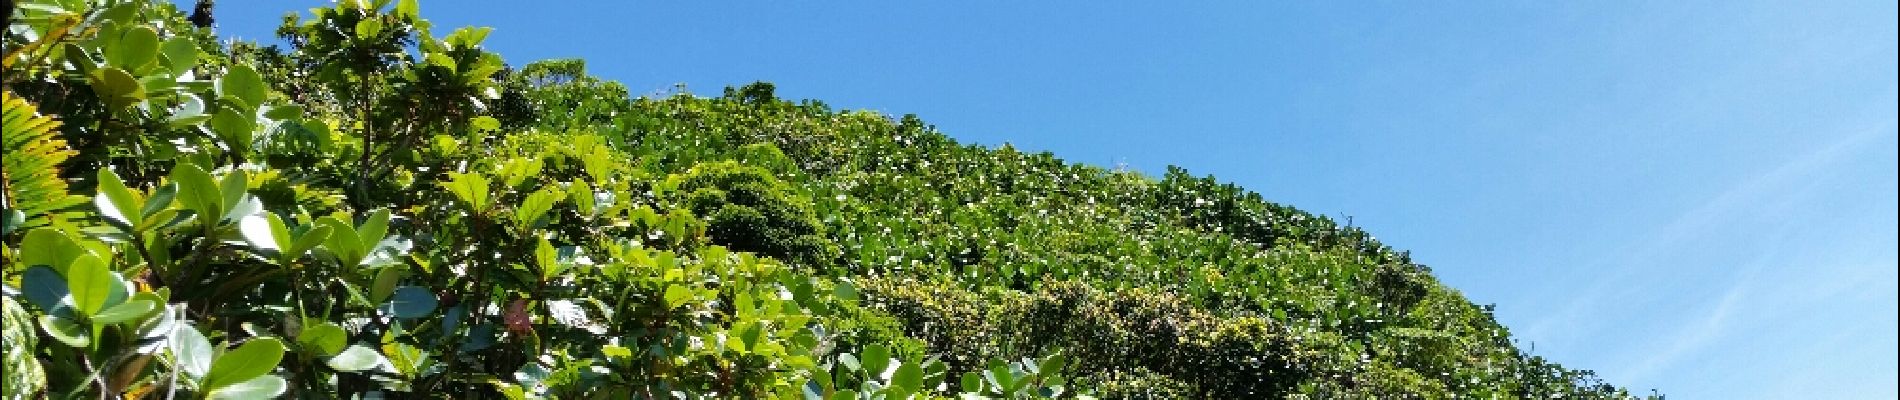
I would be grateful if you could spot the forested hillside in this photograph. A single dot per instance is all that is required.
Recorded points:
(383, 207)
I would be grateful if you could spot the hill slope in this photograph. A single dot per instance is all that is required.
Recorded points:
(379, 209)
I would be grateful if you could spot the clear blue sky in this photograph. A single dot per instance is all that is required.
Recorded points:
(1697, 197)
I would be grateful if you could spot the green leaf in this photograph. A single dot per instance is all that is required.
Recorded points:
(243, 83)
(193, 351)
(537, 205)
(263, 387)
(89, 283)
(322, 337)
(65, 331)
(251, 360)
(126, 311)
(877, 359)
(470, 188)
(265, 231)
(411, 302)
(368, 28)
(385, 283)
(909, 376)
(198, 192)
(234, 188)
(374, 229)
(116, 87)
(117, 202)
(180, 54)
(850, 362)
(845, 291)
(972, 382)
(1052, 364)
(161, 200)
(440, 60)
(546, 258)
(136, 48)
(485, 123)
(43, 287)
(284, 112)
(343, 242)
(406, 8)
(309, 240)
(676, 296)
(355, 358)
(51, 248)
(405, 358)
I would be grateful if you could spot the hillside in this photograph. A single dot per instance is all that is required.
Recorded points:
(376, 208)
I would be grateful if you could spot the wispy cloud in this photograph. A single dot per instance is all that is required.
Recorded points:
(1631, 273)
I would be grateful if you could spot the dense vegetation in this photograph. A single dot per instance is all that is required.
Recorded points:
(375, 210)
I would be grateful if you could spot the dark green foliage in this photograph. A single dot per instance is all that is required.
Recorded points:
(747, 209)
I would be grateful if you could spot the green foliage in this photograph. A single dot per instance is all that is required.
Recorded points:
(375, 211)
(30, 174)
(748, 209)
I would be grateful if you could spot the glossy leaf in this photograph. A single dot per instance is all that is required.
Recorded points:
(253, 359)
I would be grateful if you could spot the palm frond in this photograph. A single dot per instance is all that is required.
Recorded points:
(30, 172)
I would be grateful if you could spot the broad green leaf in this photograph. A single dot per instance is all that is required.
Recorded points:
(440, 60)
(537, 205)
(676, 296)
(243, 83)
(262, 231)
(322, 337)
(263, 387)
(411, 302)
(234, 188)
(116, 87)
(253, 359)
(193, 351)
(43, 287)
(355, 358)
(180, 54)
(373, 229)
(384, 283)
(190, 111)
(972, 382)
(405, 358)
(136, 48)
(199, 192)
(470, 188)
(845, 291)
(876, 359)
(850, 362)
(1052, 364)
(51, 248)
(65, 331)
(126, 311)
(160, 201)
(406, 8)
(909, 376)
(582, 195)
(368, 28)
(90, 284)
(310, 239)
(284, 112)
(343, 242)
(117, 202)
(546, 258)
(484, 123)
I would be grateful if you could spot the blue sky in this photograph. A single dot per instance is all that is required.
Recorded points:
(1697, 197)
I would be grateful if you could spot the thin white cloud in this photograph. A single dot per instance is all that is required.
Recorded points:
(1625, 270)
